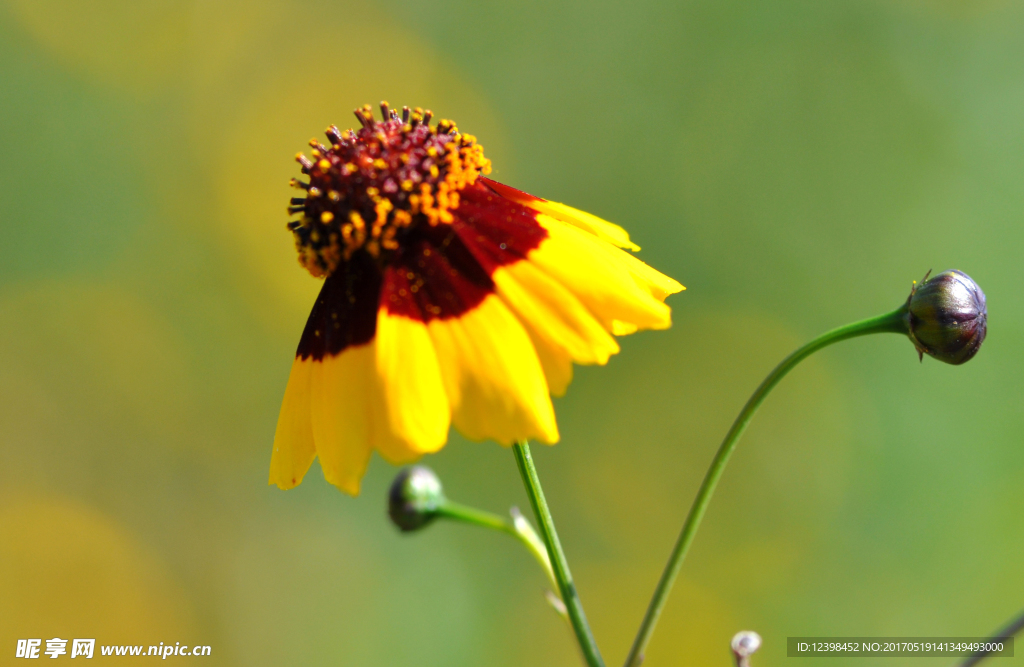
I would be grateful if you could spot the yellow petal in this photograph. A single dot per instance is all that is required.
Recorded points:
(344, 390)
(589, 268)
(654, 282)
(554, 361)
(551, 312)
(492, 376)
(620, 328)
(293, 441)
(604, 230)
(416, 411)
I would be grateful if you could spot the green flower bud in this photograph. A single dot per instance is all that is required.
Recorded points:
(415, 498)
(947, 317)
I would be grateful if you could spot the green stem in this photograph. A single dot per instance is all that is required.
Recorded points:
(523, 532)
(894, 322)
(561, 567)
(1012, 627)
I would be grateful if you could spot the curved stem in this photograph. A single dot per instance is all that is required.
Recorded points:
(1012, 627)
(894, 322)
(521, 531)
(561, 567)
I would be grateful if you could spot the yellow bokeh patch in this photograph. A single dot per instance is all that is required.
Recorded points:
(68, 571)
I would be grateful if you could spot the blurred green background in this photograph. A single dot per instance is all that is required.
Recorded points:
(794, 163)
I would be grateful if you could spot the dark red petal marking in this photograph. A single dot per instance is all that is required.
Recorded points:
(440, 271)
(509, 192)
(433, 275)
(446, 271)
(345, 312)
(497, 231)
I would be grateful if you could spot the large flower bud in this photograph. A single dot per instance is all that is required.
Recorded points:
(414, 500)
(947, 317)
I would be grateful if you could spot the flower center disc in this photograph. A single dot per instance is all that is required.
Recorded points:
(372, 185)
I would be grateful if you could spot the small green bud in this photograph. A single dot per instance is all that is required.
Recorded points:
(415, 498)
(947, 317)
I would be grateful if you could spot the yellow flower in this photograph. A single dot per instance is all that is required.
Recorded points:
(448, 299)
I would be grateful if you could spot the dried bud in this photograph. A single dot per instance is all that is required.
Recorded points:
(947, 317)
(415, 498)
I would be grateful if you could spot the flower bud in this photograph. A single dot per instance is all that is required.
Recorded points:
(947, 317)
(744, 644)
(415, 498)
